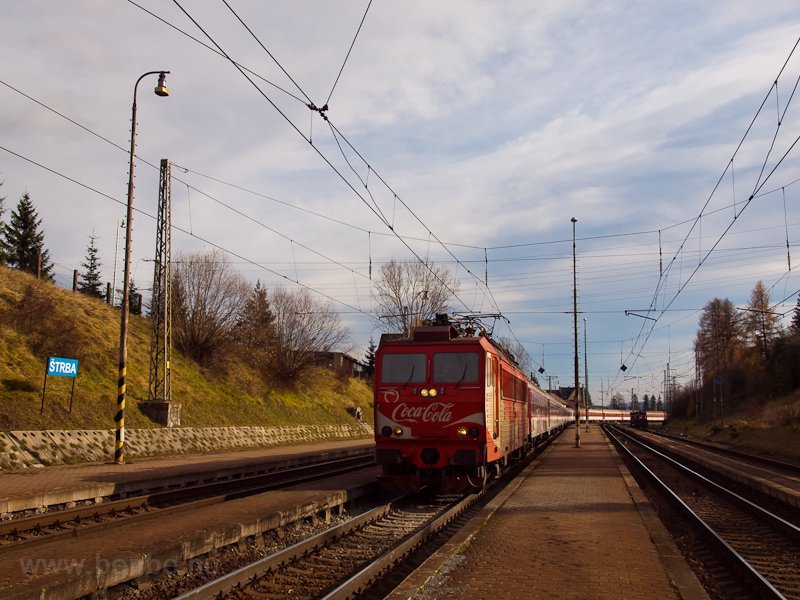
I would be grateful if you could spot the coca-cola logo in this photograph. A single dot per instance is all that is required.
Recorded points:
(391, 395)
(436, 412)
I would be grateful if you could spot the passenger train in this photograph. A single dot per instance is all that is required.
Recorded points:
(597, 414)
(453, 408)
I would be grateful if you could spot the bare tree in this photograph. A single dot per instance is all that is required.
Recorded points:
(760, 323)
(208, 298)
(719, 337)
(409, 292)
(518, 353)
(303, 326)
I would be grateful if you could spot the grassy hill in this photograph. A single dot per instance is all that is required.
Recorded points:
(772, 428)
(39, 319)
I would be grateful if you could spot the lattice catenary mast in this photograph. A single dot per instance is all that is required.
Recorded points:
(160, 389)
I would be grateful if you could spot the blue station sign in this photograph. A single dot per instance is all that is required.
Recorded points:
(62, 367)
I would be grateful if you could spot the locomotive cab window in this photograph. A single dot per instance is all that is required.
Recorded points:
(403, 368)
(455, 367)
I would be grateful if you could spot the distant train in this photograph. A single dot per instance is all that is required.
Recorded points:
(452, 408)
(621, 415)
(638, 419)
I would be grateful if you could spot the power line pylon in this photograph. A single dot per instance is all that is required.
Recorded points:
(160, 389)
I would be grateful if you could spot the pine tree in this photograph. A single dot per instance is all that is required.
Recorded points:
(25, 242)
(89, 280)
(3, 246)
(255, 330)
(134, 306)
(134, 299)
(370, 357)
(795, 326)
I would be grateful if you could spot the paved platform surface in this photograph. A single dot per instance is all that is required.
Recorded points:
(82, 566)
(574, 526)
(36, 488)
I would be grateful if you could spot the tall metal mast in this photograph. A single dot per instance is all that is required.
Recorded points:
(160, 389)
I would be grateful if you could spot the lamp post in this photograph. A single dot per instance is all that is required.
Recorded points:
(575, 327)
(119, 417)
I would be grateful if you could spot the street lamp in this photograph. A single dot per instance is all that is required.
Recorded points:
(119, 418)
(575, 327)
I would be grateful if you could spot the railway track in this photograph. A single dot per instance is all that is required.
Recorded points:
(775, 485)
(39, 529)
(346, 560)
(747, 551)
(779, 465)
(365, 557)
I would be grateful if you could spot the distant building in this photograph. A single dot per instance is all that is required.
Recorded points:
(342, 364)
(567, 394)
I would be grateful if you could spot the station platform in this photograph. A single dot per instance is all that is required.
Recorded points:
(574, 525)
(85, 565)
(39, 488)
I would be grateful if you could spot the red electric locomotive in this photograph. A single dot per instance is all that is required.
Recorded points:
(451, 407)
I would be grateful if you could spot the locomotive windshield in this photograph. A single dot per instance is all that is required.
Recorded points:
(403, 368)
(455, 367)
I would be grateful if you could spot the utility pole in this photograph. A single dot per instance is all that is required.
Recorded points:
(116, 251)
(698, 386)
(575, 328)
(602, 402)
(585, 375)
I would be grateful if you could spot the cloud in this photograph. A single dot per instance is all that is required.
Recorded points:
(494, 123)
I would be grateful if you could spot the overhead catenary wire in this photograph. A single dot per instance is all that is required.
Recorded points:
(759, 184)
(123, 149)
(349, 50)
(190, 234)
(295, 207)
(187, 169)
(188, 185)
(316, 149)
(495, 269)
(214, 50)
(322, 113)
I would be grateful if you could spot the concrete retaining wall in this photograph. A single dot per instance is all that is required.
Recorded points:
(26, 449)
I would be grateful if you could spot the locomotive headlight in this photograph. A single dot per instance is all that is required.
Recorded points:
(461, 431)
(473, 431)
(432, 392)
(386, 431)
(398, 431)
(423, 392)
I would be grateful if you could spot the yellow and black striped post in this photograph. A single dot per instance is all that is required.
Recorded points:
(119, 417)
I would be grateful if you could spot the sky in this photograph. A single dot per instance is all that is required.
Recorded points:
(463, 133)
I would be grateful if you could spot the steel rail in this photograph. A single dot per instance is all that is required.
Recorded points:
(215, 494)
(362, 580)
(759, 584)
(359, 581)
(244, 574)
(774, 520)
(756, 458)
